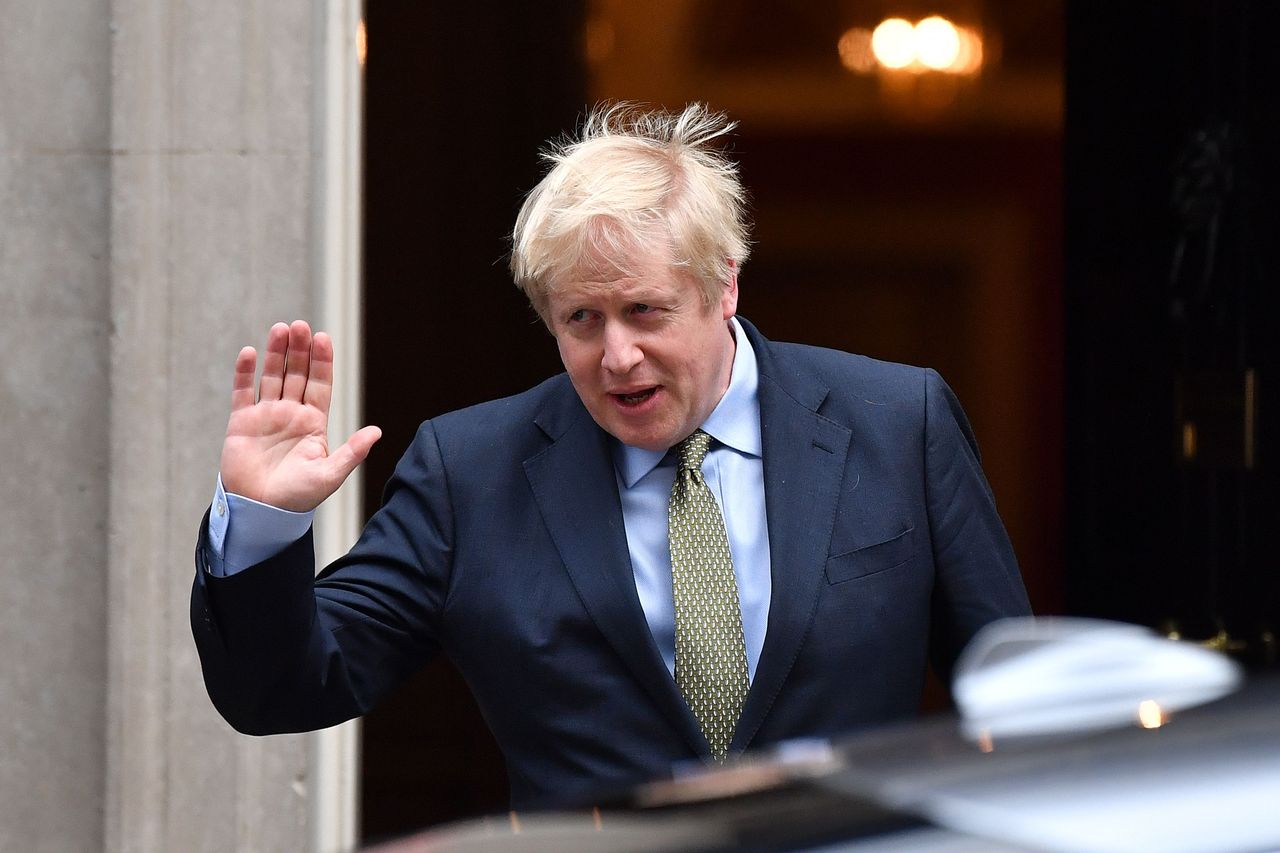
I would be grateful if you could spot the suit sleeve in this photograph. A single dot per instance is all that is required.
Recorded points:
(976, 574)
(285, 651)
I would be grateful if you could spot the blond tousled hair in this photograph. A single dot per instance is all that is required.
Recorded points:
(633, 179)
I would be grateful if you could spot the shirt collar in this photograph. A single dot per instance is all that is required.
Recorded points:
(735, 421)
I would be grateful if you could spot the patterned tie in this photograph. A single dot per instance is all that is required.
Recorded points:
(711, 655)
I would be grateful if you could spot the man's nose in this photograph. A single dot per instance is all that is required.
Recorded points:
(621, 349)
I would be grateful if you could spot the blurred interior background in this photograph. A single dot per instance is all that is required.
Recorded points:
(1063, 207)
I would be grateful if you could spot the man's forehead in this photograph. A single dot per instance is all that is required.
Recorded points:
(637, 288)
(633, 274)
(607, 274)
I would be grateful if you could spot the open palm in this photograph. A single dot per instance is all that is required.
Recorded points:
(276, 450)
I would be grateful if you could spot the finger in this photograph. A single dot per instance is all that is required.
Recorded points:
(345, 459)
(242, 383)
(297, 362)
(273, 363)
(320, 380)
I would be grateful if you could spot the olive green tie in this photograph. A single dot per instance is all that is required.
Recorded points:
(711, 655)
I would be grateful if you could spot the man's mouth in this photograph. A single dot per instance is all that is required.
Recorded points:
(635, 398)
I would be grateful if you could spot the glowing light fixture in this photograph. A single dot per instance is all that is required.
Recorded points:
(937, 43)
(362, 43)
(969, 59)
(931, 44)
(894, 43)
(855, 51)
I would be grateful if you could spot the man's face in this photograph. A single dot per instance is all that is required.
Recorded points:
(648, 357)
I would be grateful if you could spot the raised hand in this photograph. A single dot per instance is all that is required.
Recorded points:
(277, 450)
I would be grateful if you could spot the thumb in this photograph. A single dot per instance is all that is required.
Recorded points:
(346, 458)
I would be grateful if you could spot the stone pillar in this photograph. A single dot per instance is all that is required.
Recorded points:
(173, 178)
(218, 200)
(54, 89)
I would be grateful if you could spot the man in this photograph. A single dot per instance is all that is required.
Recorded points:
(693, 542)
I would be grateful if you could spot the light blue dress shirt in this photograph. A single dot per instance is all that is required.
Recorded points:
(733, 469)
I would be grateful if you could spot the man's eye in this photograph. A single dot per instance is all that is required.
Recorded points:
(641, 308)
(578, 316)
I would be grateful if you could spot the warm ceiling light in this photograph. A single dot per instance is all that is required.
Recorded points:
(931, 44)
(854, 48)
(937, 43)
(969, 59)
(894, 43)
(362, 43)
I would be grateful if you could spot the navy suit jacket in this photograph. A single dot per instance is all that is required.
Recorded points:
(501, 545)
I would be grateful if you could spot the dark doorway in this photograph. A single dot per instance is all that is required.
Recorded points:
(1173, 318)
(459, 98)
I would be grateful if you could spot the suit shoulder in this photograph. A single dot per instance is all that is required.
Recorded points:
(497, 424)
(858, 375)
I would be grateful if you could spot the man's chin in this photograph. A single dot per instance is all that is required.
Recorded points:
(632, 435)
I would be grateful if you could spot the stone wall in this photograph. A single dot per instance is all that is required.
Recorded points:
(54, 393)
(160, 167)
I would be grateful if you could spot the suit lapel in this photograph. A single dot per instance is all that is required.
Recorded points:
(804, 461)
(574, 484)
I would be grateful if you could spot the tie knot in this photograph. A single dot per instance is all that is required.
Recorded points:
(693, 450)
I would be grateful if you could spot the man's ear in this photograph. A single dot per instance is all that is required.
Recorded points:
(729, 295)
